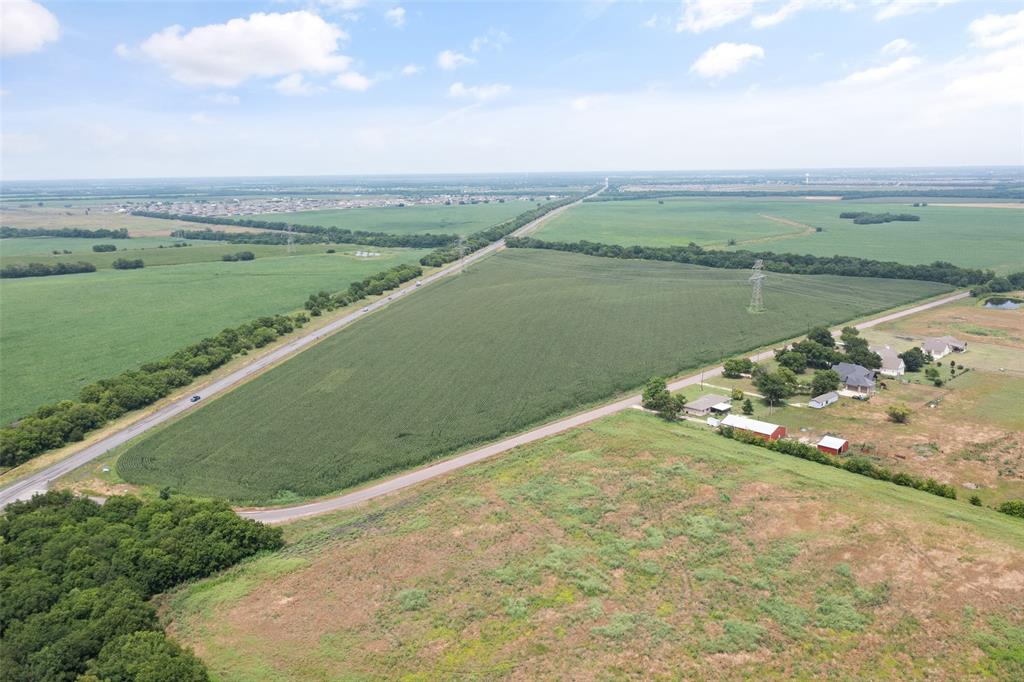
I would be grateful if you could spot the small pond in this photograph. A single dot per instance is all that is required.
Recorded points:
(1003, 303)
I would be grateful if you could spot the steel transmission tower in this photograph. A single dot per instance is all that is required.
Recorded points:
(291, 238)
(757, 279)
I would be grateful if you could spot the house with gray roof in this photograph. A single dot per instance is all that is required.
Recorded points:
(856, 378)
(941, 346)
(892, 363)
(707, 404)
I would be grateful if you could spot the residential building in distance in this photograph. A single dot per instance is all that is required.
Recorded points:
(892, 363)
(941, 346)
(855, 378)
(708, 404)
(765, 430)
(823, 400)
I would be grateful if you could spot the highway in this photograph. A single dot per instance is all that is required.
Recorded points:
(391, 485)
(39, 481)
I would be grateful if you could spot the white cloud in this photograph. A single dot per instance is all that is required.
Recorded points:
(411, 69)
(222, 98)
(889, 9)
(201, 118)
(991, 80)
(351, 80)
(882, 73)
(343, 5)
(995, 30)
(262, 45)
(493, 38)
(25, 27)
(585, 103)
(123, 51)
(294, 85)
(396, 16)
(725, 59)
(702, 15)
(898, 46)
(449, 60)
(478, 92)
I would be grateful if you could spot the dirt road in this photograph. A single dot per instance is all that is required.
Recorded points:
(39, 481)
(391, 485)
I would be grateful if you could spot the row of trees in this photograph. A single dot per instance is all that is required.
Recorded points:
(127, 264)
(77, 232)
(867, 218)
(776, 262)
(854, 465)
(1000, 285)
(479, 240)
(1000, 191)
(57, 424)
(77, 578)
(321, 233)
(241, 255)
(16, 270)
(373, 285)
(104, 248)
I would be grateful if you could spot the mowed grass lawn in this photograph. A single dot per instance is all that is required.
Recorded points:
(521, 337)
(61, 333)
(453, 219)
(628, 549)
(969, 237)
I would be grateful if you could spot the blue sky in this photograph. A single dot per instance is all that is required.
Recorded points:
(159, 89)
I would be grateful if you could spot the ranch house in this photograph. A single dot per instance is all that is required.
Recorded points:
(823, 400)
(941, 346)
(708, 404)
(892, 363)
(761, 429)
(833, 446)
(855, 378)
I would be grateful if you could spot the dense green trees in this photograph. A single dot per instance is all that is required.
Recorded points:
(16, 270)
(104, 248)
(793, 360)
(656, 397)
(775, 386)
(733, 368)
(127, 264)
(240, 255)
(915, 359)
(1012, 507)
(866, 218)
(824, 381)
(77, 577)
(822, 336)
(74, 232)
(775, 262)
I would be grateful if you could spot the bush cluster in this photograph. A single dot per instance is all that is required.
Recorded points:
(479, 240)
(373, 285)
(75, 232)
(104, 248)
(866, 218)
(16, 270)
(127, 264)
(854, 465)
(55, 425)
(241, 255)
(77, 577)
(789, 263)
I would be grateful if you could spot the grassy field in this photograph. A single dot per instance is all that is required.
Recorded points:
(409, 219)
(967, 236)
(519, 338)
(148, 249)
(54, 217)
(60, 333)
(631, 549)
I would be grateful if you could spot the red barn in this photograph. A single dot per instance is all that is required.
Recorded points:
(833, 445)
(764, 430)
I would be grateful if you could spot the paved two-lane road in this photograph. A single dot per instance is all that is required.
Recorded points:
(391, 485)
(39, 482)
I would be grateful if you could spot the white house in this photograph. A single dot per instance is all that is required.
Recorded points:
(892, 363)
(941, 346)
(823, 400)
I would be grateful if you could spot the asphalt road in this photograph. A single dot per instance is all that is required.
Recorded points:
(391, 485)
(39, 481)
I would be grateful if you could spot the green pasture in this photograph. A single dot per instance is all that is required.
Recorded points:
(521, 337)
(438, 219)
(623, 550)
(60, 333)
(969, 237)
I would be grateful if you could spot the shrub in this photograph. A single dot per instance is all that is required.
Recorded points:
(899, 414)
(127, 264)
(104, 248)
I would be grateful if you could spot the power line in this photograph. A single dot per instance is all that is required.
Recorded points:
(757, 279)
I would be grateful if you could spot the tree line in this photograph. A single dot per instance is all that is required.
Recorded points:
(127, 264)
(866, 218)
(325, 234)
(482, 238)
(104, 248)
(77, 232)
(1002, 191)
(373, 285)
(78, 576)
(16, 270)
(240, 255)
(789, 263)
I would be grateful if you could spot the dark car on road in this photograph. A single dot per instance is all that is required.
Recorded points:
(195, 399)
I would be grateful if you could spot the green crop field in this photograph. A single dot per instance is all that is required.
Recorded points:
(409, 219)
(967, 236)
(519, 338)
(60, 333)
(628, 549)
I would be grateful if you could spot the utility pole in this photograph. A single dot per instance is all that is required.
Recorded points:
(757, 279)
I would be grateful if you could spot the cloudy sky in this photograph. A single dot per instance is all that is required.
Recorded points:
(304, 87)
